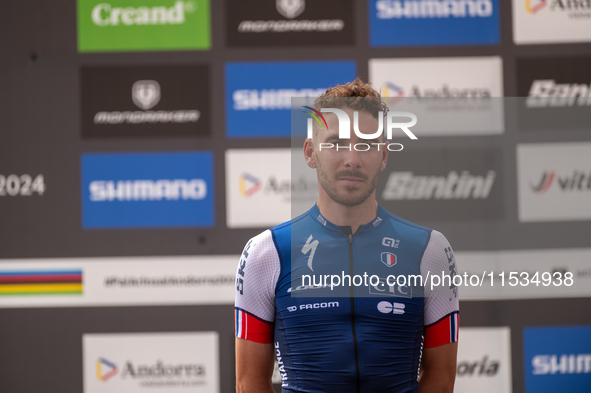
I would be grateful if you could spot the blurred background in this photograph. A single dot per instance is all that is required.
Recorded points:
(143, 142)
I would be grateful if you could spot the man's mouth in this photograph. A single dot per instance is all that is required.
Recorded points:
(351, 180)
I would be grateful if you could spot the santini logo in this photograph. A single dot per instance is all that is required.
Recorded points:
(147, 190)
(420, 9)
(105, 14)
(563, 364)
(578, 181)
(405, 185)
(546, 92)
(345, 128)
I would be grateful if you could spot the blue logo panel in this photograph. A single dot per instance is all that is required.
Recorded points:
(147, 190)
(258, 95)
(433, 22)
(557, 359)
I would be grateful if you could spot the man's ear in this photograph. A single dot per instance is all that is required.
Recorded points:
(309, 153)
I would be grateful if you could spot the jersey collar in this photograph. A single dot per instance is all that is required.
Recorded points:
(375, 223)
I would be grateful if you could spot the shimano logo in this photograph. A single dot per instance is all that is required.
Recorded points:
(147, 190)
(422, 9)
(405, 185)
(561, 364)
(105, 14)
(269, 99)
(547, 92)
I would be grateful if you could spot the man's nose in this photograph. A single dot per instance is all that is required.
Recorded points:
(352, 159)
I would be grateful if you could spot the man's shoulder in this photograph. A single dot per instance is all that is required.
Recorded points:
(398, 221)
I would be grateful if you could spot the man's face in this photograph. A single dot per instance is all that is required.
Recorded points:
(348, 176)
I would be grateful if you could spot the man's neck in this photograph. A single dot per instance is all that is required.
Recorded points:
(353, 216)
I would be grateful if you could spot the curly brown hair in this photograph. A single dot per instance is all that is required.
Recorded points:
(362, 97)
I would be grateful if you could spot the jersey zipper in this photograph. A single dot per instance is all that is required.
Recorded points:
(354, 330)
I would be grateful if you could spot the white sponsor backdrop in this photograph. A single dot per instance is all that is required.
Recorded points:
(551, 23)
(135, 281)
(572, 260)
(147, 362)
(270, 202)
(570, 166)
(484, 360)
(456, 80)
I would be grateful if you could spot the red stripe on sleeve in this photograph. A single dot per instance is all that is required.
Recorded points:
(443, 332)
(254, 329)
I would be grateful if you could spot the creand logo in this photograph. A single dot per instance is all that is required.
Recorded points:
(577, 181)
(427, 9)
(105, 14)
(345, 128)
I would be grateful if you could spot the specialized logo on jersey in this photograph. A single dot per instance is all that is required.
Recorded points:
(389, 242)
(391, 308)
(310, 247)
(388, 259)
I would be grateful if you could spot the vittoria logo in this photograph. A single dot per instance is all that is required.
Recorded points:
(577, 181)
(290, 8)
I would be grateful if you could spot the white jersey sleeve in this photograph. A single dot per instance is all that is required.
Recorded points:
(441, 306)
(256, 278)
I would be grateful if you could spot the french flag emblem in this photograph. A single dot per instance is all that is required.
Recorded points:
(388, 259)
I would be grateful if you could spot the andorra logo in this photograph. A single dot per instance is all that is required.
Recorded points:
(145, 94)
(248, 185)
(105, 369)
(290, 8)
(533, 6)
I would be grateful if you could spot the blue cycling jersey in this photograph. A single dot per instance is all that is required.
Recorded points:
(363, 336)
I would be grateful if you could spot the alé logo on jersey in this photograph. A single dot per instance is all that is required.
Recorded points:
(578, 181)
(345, 129)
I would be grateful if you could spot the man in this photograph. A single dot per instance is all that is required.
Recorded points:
(354, 338)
